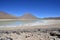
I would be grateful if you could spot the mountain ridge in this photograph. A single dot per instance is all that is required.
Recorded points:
(28, 16)
(4, 15)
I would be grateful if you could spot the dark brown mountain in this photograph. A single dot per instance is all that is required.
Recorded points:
(28, 16)
(4, 15)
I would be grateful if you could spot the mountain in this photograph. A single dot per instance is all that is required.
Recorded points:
(28, 16)
(4, 15)
(52, 18)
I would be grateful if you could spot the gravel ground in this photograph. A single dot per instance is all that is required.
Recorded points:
(29, 35)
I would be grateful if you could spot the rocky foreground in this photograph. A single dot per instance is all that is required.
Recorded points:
(30, 35)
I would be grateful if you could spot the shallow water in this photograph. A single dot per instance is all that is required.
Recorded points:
(17, 22)
(14, 23)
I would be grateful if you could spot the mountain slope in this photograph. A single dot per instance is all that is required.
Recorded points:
(52, 18)
(4, 15)
(28, 16)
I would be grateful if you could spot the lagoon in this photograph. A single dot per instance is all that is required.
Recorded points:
(14, 23)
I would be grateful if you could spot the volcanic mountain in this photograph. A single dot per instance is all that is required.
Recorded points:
(4, 15)
(28, 16)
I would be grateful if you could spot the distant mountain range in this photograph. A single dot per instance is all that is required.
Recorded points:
(52, 18)
(4, 15)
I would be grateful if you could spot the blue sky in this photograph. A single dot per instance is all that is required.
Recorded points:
(39, 8)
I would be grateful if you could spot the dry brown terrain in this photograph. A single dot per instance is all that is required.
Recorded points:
(27, 16)
(4, 15)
